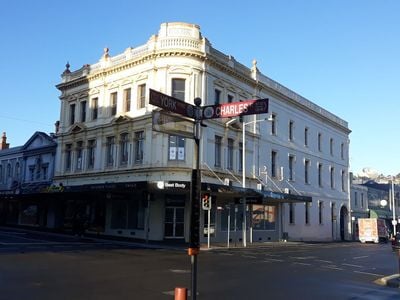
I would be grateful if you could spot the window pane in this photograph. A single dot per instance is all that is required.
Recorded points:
(178, 89)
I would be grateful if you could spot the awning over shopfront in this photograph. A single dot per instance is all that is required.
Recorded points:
(380, 213)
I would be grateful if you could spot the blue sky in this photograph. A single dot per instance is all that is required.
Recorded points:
(342, 55)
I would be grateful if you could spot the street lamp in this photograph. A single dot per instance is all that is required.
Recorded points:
(394, 221)
(244, 173)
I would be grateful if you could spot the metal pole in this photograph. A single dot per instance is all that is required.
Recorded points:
(229, 224)
(148, 218)
(244, 181)
(208, 228)
(394, 210)
(194, 238)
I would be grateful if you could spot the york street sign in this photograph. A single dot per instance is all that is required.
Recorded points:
(172, 124)
(172, 104)
(234, 109)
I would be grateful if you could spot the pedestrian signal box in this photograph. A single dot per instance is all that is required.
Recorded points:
(206, 201)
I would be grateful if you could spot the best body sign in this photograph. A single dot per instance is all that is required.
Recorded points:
(234, 109)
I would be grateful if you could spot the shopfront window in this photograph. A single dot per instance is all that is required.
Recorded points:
(264, 217)
(127, 214)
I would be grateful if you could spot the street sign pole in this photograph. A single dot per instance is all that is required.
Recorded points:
(194, 239)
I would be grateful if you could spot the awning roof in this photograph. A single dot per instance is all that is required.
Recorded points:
(255, 196)
(380, 213)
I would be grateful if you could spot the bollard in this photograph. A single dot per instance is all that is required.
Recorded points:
(180, 293)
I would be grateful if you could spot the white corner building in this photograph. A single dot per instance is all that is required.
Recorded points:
(133, 181)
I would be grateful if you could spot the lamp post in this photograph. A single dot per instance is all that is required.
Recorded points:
(394, 221)
(244, 175)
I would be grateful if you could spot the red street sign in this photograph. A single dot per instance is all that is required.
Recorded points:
(171, 104)
(245, 107)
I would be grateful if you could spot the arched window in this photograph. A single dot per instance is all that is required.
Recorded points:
(17, 170)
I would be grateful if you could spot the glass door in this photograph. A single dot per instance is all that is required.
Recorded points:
(174, 222)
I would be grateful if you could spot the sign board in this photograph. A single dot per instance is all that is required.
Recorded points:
(172, 104)
(234, 109)
(172, 124)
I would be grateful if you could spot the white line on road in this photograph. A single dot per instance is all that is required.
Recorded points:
(302, 257)
(303, 264)
(324, 261)
(359, 257)
(367, 273)
(249, 256)
(333, 267)
(350, 265)
(273, 259)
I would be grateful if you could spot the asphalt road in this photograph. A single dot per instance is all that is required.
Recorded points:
(42, 266)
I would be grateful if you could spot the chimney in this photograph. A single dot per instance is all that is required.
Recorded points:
(4, 144)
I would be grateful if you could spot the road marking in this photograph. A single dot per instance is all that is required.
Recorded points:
(367, 273)
(324, 261)
(227, 254)
(359, 257)
(350, 265)
(274, 259)
(302, 257)
(299, 263)
(249, 256)
(179, 271)
(273, 255)
(333, 267)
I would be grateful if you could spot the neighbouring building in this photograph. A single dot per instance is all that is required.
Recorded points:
(26, 174)
(359, 205)
(133, 181)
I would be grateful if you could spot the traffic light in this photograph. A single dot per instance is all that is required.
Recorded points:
(206, 201)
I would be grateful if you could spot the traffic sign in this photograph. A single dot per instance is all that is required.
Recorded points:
(172, 104)
(172, 124)
(234, 109)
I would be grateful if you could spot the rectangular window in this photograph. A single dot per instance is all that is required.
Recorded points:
(68, 157)
(127, 100)
(306, 137)
(113, 103)
(71, 114)
(291, 167)
(45, 169)
(127, 213)
(320, 175)
(83, 111)
(230, 98)
(319, 142)
(343, 181)
(240, 156)
(91, 153)
(320, 211)
(110, 145)
(178, 88)
(230, 155)
(139, 147)
(273, 163)
(264, 217)
(342, 151)
(306, 171)
(217, 97)
(362, 200)
(79, 155)
(273, 124)
(141, 96)
(307, 213)
(218, 150)
(331, 146)
(332, 175)
(291, 213)
(355, 199)
(291, 127)
(123, 146)
(176, 148)
(32, 173)
(95, 108)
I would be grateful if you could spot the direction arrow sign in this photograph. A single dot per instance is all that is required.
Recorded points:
(172, 104)
(226, 110)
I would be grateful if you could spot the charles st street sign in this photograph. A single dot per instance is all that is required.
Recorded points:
(234, 109)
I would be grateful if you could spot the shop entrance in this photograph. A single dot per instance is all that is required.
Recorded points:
(174, 222)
